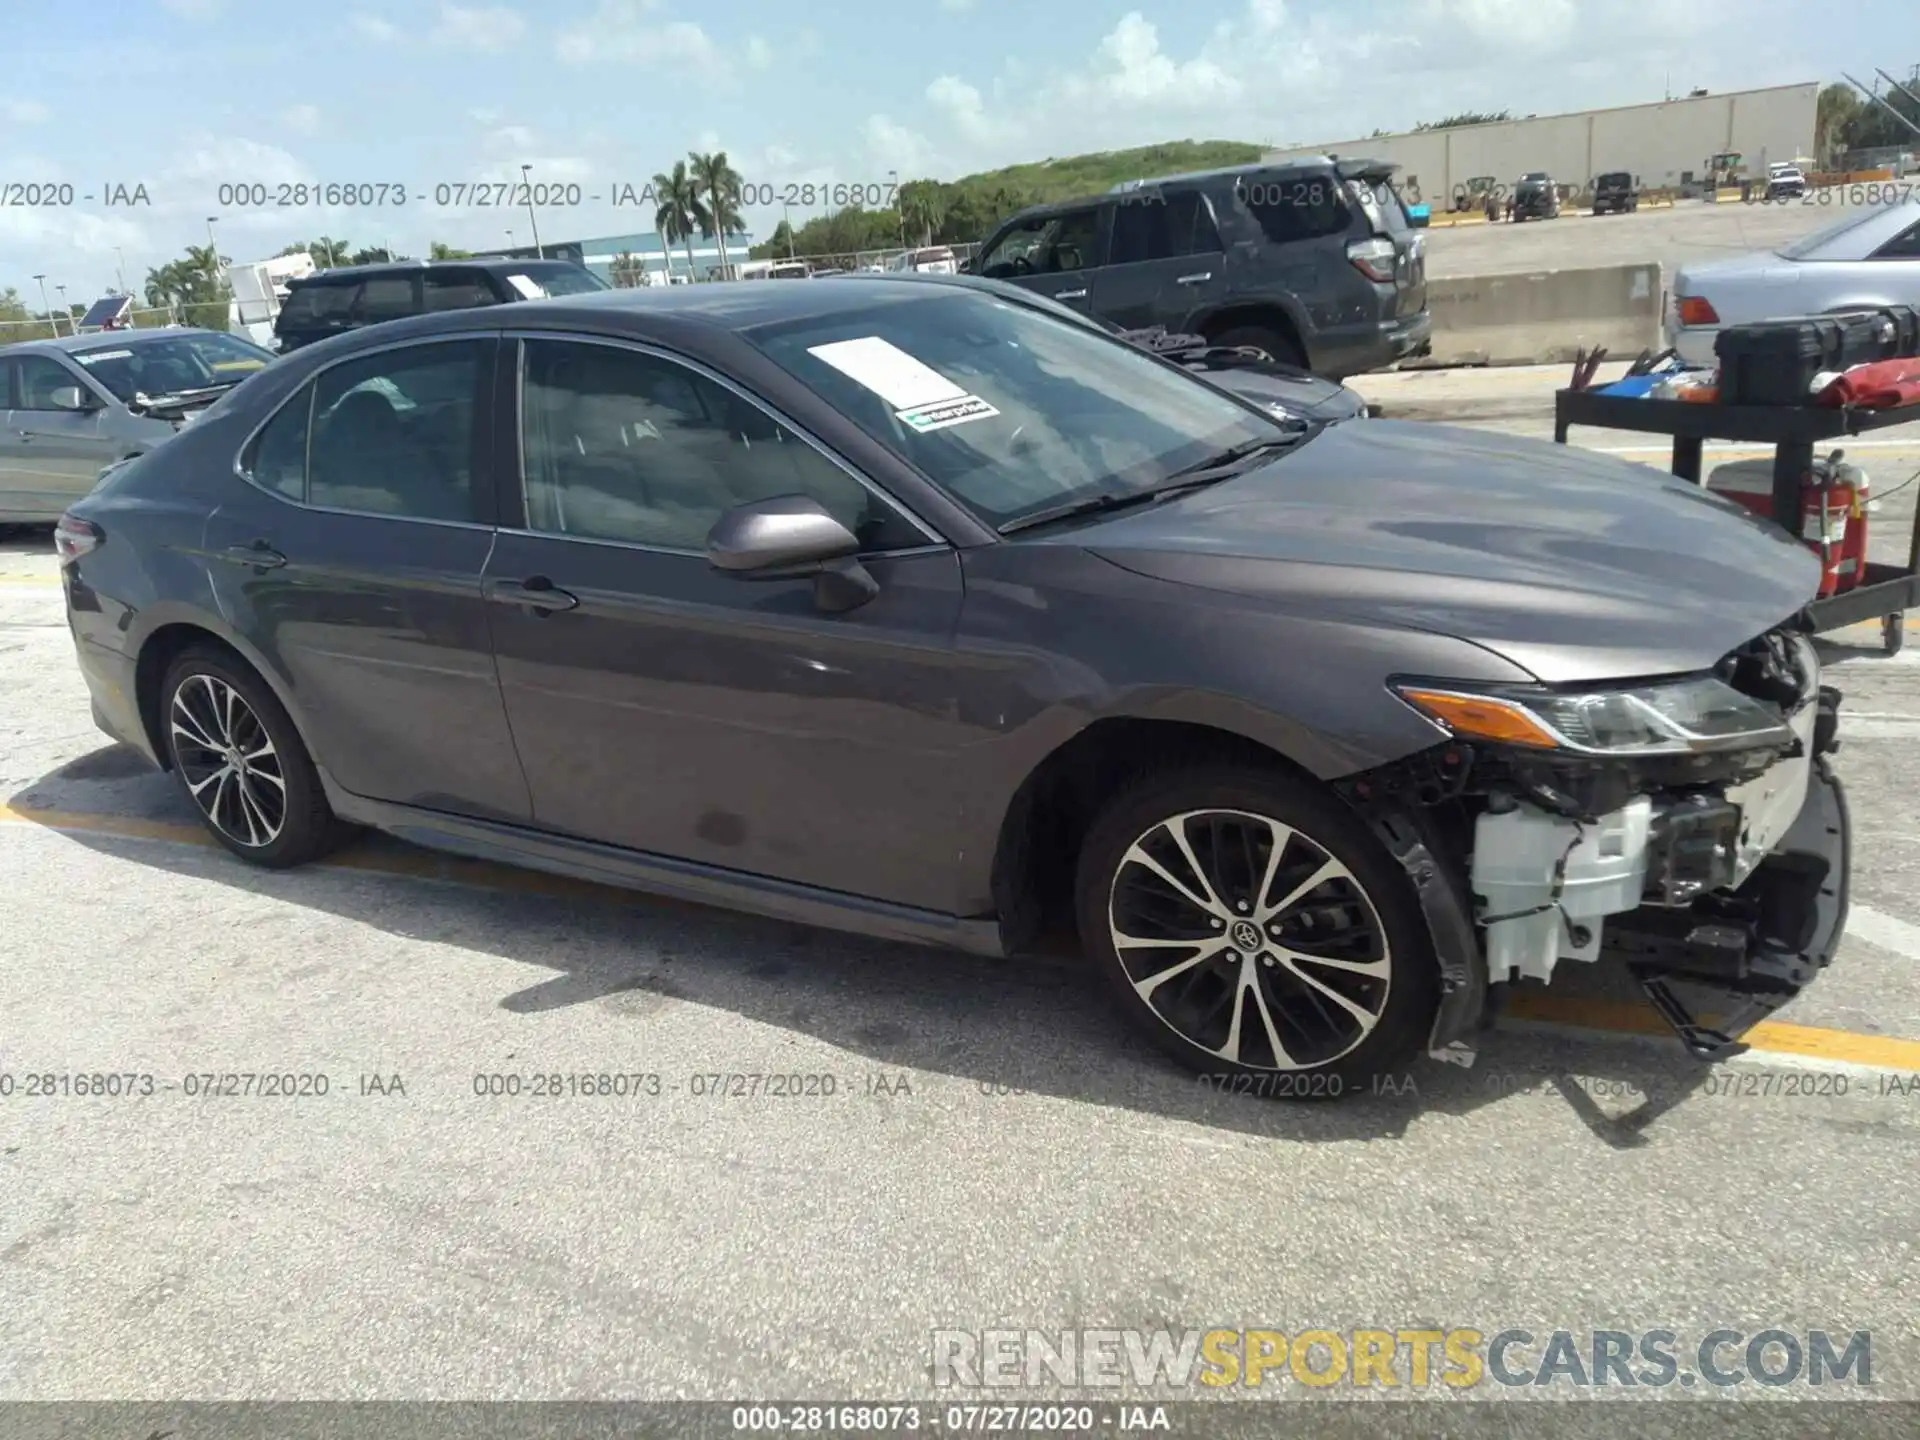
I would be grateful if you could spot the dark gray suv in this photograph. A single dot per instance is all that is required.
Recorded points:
(1314, 263)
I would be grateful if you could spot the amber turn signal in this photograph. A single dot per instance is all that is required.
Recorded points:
(1480, 717)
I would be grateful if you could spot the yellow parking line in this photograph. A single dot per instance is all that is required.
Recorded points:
(1610, 1016)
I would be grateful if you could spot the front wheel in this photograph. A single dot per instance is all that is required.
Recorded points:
(1251, 926)
(242, 764)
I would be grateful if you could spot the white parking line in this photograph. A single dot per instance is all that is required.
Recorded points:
(1722, 447)
(1883, 931)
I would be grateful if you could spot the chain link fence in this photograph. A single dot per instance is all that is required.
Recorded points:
(213, 315)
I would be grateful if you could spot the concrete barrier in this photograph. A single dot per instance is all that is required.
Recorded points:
(1543, 317)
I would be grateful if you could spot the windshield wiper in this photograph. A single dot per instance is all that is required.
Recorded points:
(1234, 454)
(1181, 482)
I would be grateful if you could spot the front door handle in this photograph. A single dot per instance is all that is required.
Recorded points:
(260, 555)
(1070, 295)
(536, 592)
(1200, 279)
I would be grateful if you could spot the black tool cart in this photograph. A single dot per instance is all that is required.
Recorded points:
(1884, 591)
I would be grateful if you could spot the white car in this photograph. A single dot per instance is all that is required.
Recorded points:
(1865, 259)
(1785, 182)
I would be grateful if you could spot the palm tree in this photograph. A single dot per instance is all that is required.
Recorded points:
(921, 207)
(719, 185)
(1836, 111)
(681, 210)
(328, 253)
(623, 268)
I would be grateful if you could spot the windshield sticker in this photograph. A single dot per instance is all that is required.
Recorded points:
(942, 413)
(526, 287)
(94, 357)
(887, 370)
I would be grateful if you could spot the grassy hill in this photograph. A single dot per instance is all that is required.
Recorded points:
(1090, 174)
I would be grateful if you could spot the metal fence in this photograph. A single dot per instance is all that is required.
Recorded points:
(866, 259)
(211, 316)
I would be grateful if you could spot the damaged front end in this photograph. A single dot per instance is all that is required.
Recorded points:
(1691, 829)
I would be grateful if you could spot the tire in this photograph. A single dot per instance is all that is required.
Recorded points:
(215, 710)
(1364, 911)
(1276, 345)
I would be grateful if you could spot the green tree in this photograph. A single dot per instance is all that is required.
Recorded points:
(625, 269)
(440, 250)
(922, 208)
(329, 253)
(719, 185)
(1465, 117)
(194, 287)
(680, 210)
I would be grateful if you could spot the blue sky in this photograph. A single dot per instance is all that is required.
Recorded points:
(182, 96)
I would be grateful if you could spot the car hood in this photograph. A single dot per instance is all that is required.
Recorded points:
(1293, 392)
(1574, 566)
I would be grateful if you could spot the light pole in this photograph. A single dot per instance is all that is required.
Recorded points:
(66, 309)
(786, 214)
(509, 239)
(526, 172)
(120, 269)
(900, 209)
(46, 305)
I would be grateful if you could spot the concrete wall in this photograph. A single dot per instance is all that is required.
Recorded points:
(1656, 142)
(1545, 317)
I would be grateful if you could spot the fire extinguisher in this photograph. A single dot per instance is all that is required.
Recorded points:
(1833, 521)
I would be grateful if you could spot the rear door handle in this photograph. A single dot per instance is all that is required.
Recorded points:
(536, 591)
(1070, 295)
(260, 555)
(1200, 279)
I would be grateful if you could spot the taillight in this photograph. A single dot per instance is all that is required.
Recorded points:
(1695, 311)
(74, 537)
(1372, 258)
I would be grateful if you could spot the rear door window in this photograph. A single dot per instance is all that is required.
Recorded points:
(1162, 227)
(320, 305)
(457, 290)
(388, 297)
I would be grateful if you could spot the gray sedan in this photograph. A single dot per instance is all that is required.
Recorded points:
(76, 405)
(1863, 260)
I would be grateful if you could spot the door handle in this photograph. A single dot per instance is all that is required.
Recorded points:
(24, 434)
(260, 555)
(1070, 295)
(536, 591)
(1200, 279)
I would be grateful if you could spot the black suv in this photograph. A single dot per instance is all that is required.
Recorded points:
(346, 299)
(1536, 197)
(1313, 263)
(1613, 193)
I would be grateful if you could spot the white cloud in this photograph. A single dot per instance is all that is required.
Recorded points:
(193, 9)
(484, 117)
(372, 27)
(759, 53)
(627, 32)
(16, 111)
(491, 28)
(892, 146)
(301, 119)
(956, 4)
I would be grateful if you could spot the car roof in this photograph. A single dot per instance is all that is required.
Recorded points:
(493, 264)
(1305, 165)
(111, 339)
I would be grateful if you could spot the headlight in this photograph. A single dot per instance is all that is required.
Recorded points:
(1676, 718)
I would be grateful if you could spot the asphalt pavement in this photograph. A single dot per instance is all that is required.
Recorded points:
(963, 1144)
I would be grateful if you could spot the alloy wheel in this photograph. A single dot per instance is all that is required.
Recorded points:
(1249, 939)
(228, 761)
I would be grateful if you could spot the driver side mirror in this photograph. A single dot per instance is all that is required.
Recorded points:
(72, 397)
(787, 537)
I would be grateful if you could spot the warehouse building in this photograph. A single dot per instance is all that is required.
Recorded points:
(1669, 143)
(648, 257)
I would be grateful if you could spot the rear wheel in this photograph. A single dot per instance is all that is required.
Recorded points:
(242, 764)
(1252, 927)
(1276, 345)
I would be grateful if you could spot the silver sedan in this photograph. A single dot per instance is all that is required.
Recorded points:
(1864, 259)
(73, 406)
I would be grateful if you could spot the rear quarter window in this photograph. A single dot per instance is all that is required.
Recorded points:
(1296, 207)
(319, 304)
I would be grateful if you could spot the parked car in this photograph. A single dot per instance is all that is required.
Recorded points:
(1863, 260)
(1312, 263)
(910, 611)
(75, 405)
(1785, 182)
(1535, 197)
(1281, 389)
(928, 260)
(1614, 193)
(332, 301)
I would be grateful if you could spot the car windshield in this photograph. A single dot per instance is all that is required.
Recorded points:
(1012, 411)
(1616, 178)
(1807, 244)
(171, 364)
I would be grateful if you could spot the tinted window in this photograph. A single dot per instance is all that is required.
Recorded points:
(625, 446)
(1616, 180)
(1905, 246)
(277, 459)
(1162, 227)
(172, 364)
(387, 297)
(553, 280)
(1068, 412)
(318, 304)
(457, 292)
(38, 378)
(1296, 208)
(393, 433)
(1047, 244)
(1807, 244)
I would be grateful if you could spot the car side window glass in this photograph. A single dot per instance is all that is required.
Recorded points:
(393, 433)
(39, 377)
(1070, 245)
(1298, 208)
(1203, 236)
(456, 292)
(320, 304)
(1904, 246)
(624, 446)
(277, 458)
(387, 297)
